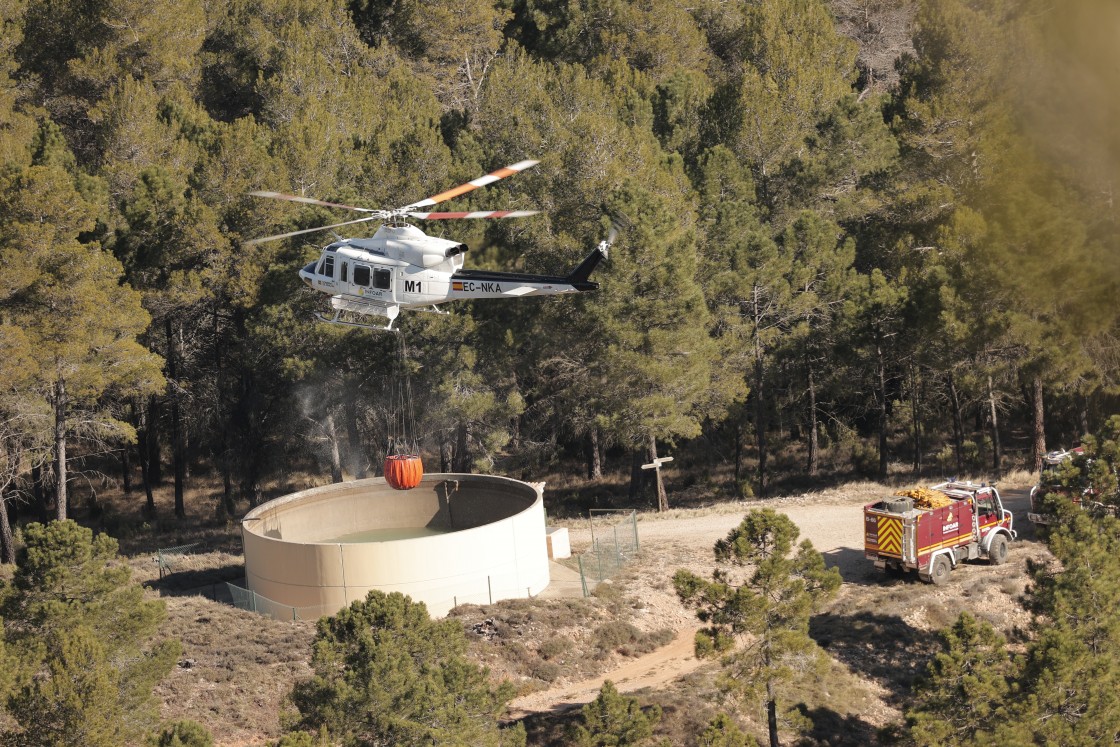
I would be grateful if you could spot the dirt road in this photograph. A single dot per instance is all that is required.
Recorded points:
(832, 521)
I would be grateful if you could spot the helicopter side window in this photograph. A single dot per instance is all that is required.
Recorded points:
(326, 267)
(343, 276)
(381, 279)
(361, 274)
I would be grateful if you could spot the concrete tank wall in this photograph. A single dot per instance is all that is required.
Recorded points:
(492, 547)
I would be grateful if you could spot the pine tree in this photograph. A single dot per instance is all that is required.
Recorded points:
(966, 688)
(80, 321)
(387, 673)
(72, 612)
(1070, 681)
(614, 720)
(722, 731)
(760, 624)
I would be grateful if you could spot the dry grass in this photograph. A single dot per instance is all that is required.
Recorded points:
(237, 667)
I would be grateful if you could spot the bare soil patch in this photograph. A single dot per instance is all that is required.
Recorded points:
(238, 667)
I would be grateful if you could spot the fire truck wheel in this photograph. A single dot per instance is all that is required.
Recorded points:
(997, 553)
(940, 570)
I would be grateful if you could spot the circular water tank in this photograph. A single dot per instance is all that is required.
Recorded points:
(454, 539)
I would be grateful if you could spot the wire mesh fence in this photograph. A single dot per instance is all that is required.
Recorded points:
(614, 541)
(438, 601)
(247, 599)
(166, 556)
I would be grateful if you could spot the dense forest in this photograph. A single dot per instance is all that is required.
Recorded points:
(858, 235)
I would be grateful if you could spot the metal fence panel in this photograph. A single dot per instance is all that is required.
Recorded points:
(614, 541)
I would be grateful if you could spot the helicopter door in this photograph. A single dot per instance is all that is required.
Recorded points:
(372, 277)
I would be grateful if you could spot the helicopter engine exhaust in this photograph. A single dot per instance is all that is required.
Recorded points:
(456, 250)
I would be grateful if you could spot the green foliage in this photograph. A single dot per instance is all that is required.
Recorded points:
(305, 739)
(722, 731)
(72, 613)
(966, 687)
(183, 734)
(1069, 678)
(386, 672)
(760, 624)
(614, 720)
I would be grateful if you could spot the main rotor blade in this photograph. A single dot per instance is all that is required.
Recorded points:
(279, 236)
(481, 181)
(475, 214)
(311, 201)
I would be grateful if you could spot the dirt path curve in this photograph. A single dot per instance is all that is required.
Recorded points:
(833, 523)
(656, 668)
(686, 541)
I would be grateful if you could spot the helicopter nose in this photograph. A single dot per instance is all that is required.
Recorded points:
(306, 273)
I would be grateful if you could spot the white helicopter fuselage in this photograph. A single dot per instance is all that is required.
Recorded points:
(402, 268)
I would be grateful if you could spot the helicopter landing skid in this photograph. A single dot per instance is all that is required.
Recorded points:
(356, 314)
(345, 322)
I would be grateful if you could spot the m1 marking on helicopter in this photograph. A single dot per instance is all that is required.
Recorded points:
(365, 277)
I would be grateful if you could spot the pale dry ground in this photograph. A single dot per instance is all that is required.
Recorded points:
(833, 522)
(237, 667)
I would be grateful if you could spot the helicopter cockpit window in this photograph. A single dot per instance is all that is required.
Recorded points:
(361, 274)
(381, 279)
(326, 267)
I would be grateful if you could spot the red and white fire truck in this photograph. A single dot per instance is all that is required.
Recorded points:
(901, 536)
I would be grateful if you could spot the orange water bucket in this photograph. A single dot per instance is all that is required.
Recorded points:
(403, 471)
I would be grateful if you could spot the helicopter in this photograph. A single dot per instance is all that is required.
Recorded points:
(400, 268)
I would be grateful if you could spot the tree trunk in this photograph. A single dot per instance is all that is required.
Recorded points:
(737, 445)
(958, 424)
(126, 469)
(38, 495)
(1038, 435)
(143, 433)
(814, 444)
(178, 447)
(7, 546)
(662, 498)
(336, 457)
(760, 426)
(462, 449)
(354, 440)
(446, 455)
(225, 460)
(594, 463)
(916, 416)
(997, 450)
(882, 374)
(772, 715)
(60, 449)
(155, 465)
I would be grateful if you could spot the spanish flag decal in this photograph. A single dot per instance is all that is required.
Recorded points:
(456, 285)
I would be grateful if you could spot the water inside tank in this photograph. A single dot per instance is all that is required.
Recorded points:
(386, 535)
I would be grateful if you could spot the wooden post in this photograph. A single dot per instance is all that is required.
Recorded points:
(655, 465)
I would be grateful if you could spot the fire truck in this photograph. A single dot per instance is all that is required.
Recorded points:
(964, 522)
